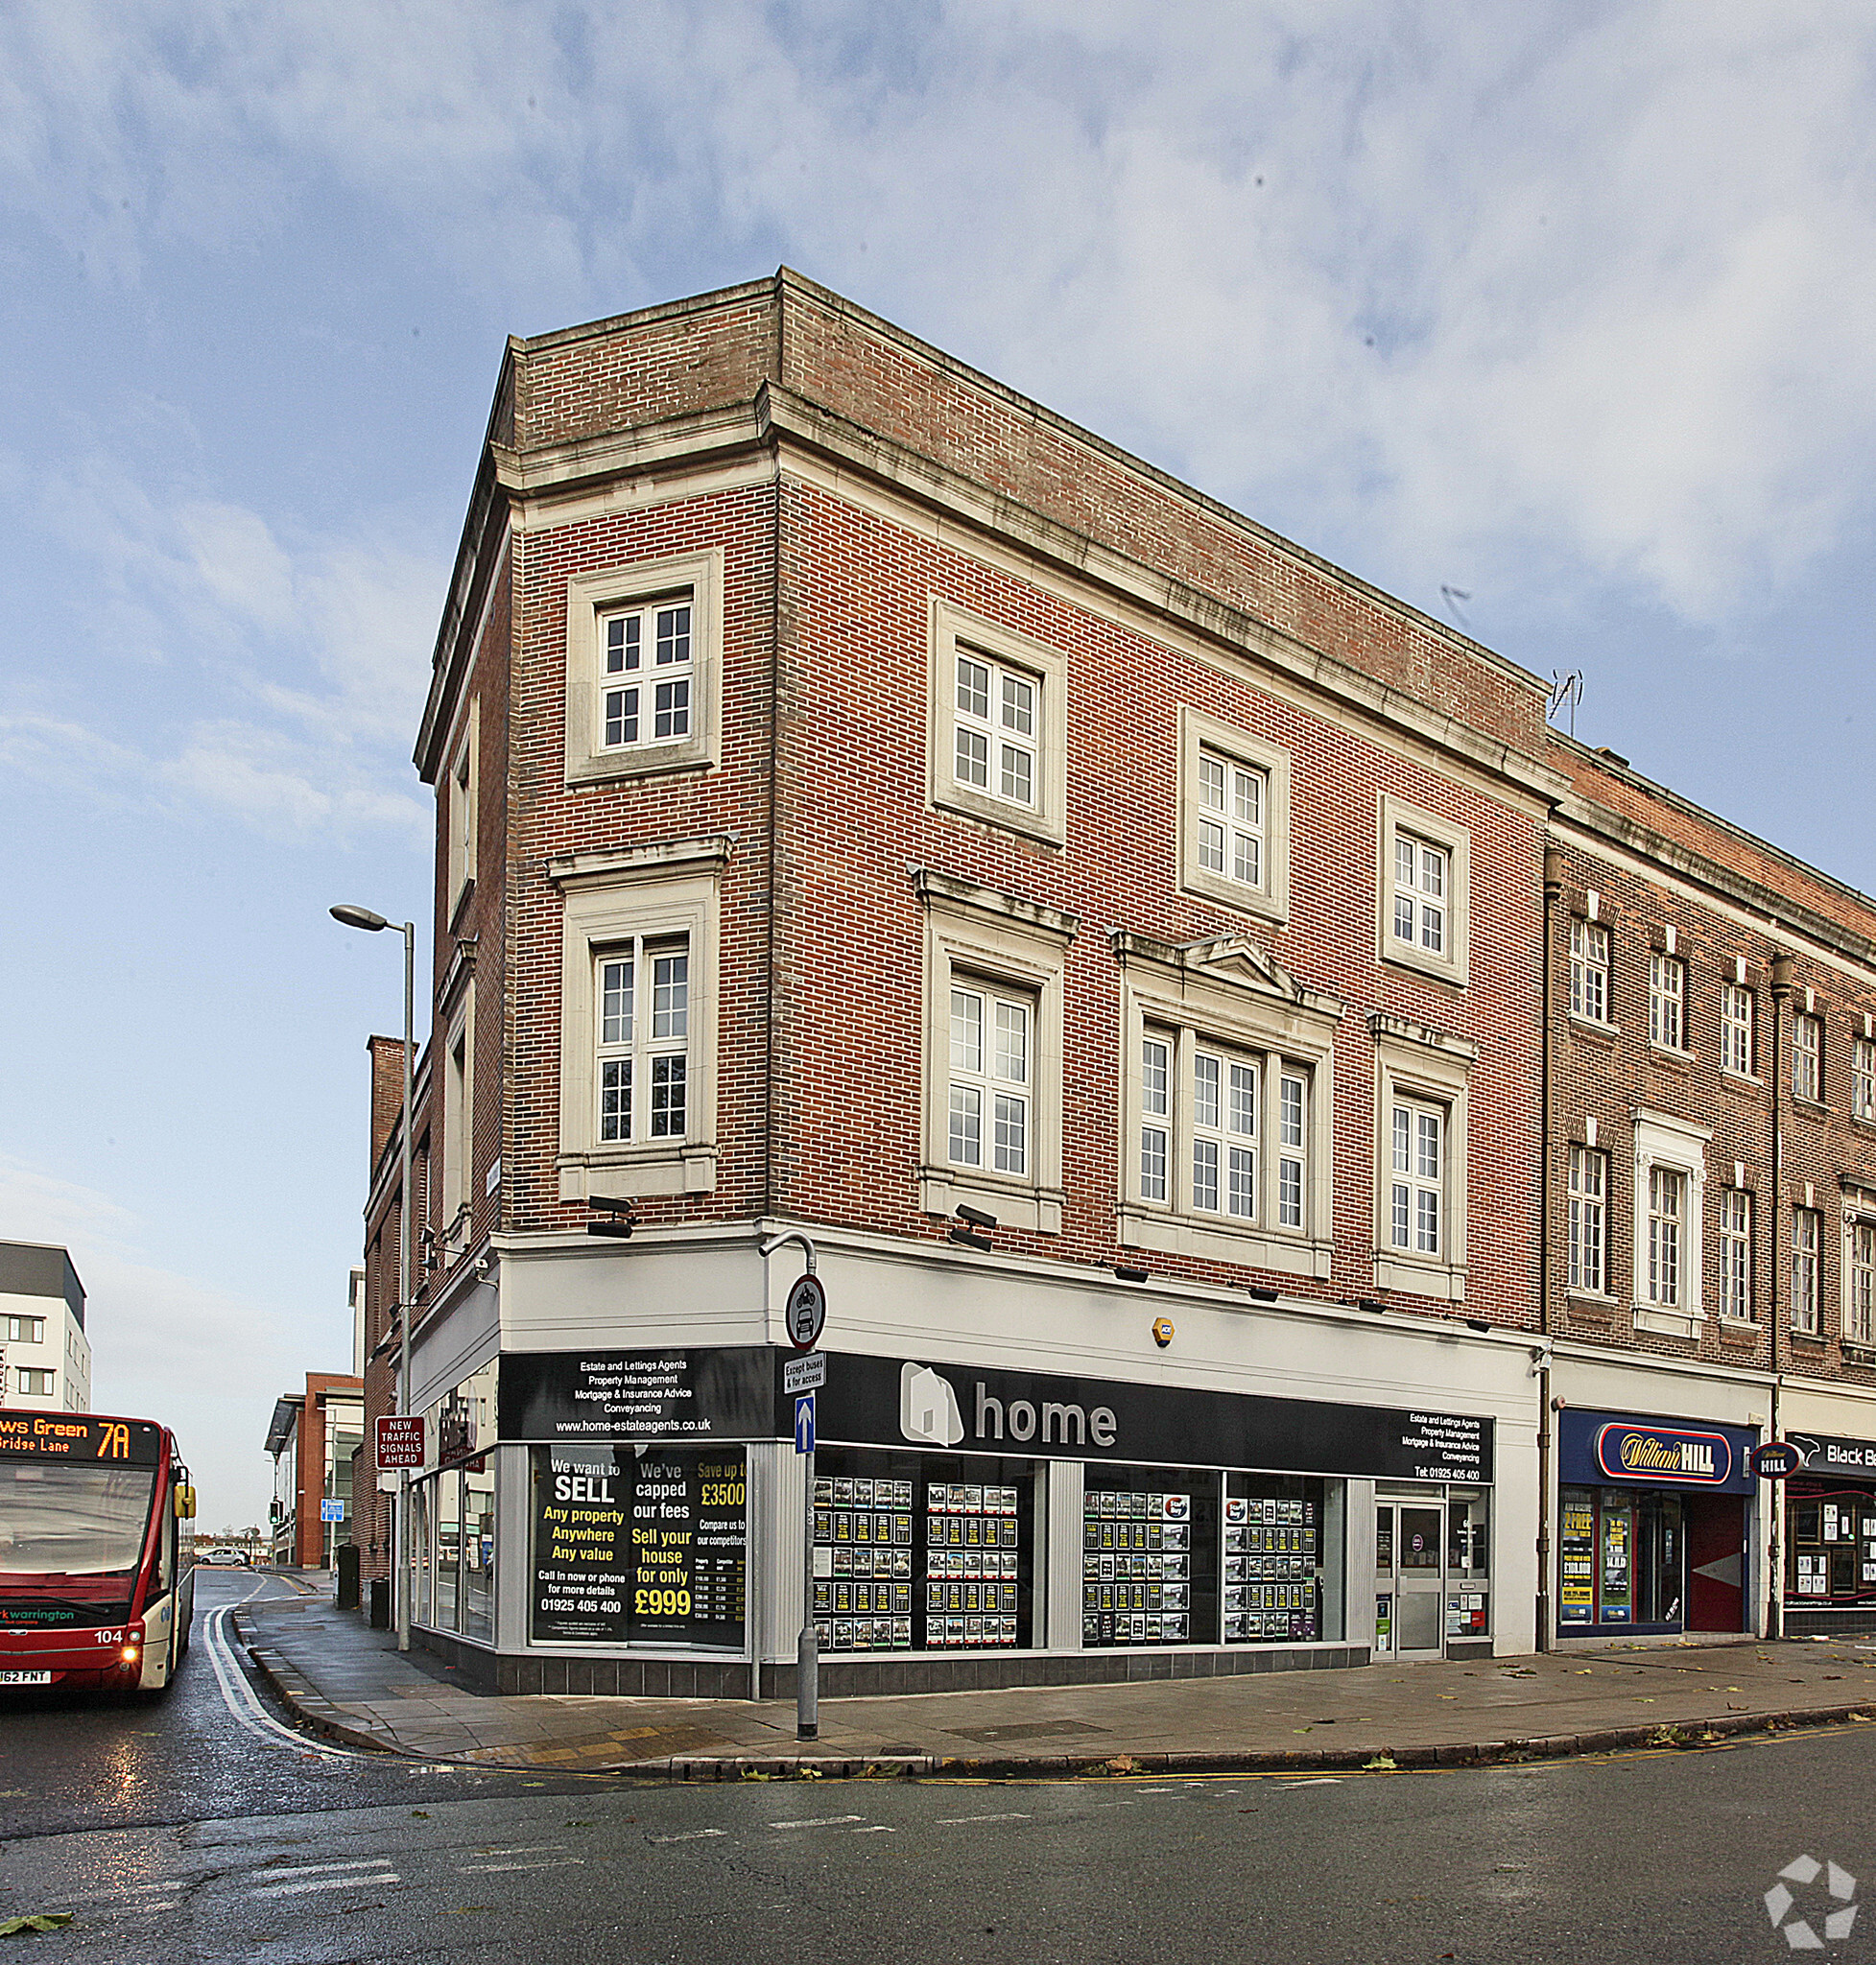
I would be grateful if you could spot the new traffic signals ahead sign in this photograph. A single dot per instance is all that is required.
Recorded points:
(400, 1440)
(806, 1313)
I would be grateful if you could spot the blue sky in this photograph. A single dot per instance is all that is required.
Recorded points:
(1563, 308)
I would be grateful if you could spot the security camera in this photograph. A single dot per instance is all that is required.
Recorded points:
(976, 1217)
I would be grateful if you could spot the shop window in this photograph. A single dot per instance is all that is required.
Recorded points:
(1227, 1123)
(1831, 1556)
(1150, 1555)
(602, 1575)
(918, 1552)
(1282, 1563)
(1622, 1559)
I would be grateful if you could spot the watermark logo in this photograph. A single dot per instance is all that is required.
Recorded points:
(1810, 1893)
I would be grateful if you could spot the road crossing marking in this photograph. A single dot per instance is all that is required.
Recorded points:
(946, 1821)
(689, 1836)
(817, 1822)
(318, 1869)
(503, 1869)
(311, 1884)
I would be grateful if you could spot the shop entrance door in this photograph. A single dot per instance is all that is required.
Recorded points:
(1716, 1562)
(1409, 1578)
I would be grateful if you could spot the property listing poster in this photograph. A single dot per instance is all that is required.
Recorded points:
(640, 1546)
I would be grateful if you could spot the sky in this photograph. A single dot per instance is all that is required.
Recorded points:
(1554, 321)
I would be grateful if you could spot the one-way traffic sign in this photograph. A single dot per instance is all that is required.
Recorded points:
(804, 1423)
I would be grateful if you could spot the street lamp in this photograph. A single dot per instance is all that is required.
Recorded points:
(371, 923)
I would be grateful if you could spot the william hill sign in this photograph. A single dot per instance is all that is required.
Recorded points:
(1597, 1449)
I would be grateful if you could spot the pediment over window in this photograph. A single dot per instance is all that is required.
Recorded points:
(1232, 961)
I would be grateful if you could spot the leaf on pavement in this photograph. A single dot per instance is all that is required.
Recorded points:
(42, 1920)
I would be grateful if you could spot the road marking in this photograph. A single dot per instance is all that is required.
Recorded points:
(523, 1849)
(280, 1870)
(877, 1828)
(503, 1869)
(1316, 1780)
(238, 1695)
(311, 1884)
(817, 1822)
(946, 1821)
(689, 1836)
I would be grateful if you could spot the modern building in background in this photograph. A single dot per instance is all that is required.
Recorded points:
(314, 1438)
(45, 1357)
(1138, 957)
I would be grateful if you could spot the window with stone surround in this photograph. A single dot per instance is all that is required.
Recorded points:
(1234, 817)
(1668, 1200)
(996, 747)
(1422, 1086)
(1425, 890)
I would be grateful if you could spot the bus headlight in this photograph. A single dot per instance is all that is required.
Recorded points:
(130, 1655)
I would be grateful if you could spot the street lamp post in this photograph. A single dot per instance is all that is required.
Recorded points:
(371, 923)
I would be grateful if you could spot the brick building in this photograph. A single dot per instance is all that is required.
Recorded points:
(314, 1438)
(1710, 1248)
(870, 807)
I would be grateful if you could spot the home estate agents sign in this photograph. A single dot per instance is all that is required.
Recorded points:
(631, 1395)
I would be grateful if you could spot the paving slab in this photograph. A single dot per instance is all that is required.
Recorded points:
(349, 1681)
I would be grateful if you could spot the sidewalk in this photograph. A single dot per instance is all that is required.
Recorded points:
(349, 1681)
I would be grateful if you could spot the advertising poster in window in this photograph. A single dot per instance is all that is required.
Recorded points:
(640, 1548)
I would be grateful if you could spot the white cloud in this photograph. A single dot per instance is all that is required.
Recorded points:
(162, 1342)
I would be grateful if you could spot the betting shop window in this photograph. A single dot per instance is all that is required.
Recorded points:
(640, 1546)
(638, 1019)
(1589, 1185)
(1589, 971)
(1425, 888)
(994, 970)
(916, 1552)
(1281, 1563)
(1226, 1142)
(1234, 817)
(996, 748)
(644, 666)
(1149, 1556)
(1421, 1151)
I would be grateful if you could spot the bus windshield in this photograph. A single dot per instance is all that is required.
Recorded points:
(72, 1518)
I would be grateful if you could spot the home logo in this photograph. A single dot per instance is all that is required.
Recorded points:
(1799, 1901)
(928, 1408)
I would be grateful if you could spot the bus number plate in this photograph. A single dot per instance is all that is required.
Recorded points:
(25, 1678)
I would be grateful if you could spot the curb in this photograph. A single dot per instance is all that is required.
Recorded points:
(319, 1713)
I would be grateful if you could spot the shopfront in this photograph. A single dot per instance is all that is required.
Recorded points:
(648, 1506)
(1830, 1536)
(1654, 1524)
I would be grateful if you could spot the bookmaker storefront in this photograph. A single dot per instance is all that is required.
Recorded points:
(639, 1520)
(1829, 1555)
(1654, 1524)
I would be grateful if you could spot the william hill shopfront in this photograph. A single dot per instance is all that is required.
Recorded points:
(1653, 1525)
(968, 1525)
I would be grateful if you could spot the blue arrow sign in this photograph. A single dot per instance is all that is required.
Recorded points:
(804, 1424)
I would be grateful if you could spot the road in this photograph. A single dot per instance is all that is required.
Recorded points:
(199, 1829)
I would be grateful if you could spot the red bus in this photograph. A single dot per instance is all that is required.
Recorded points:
(97, 1551)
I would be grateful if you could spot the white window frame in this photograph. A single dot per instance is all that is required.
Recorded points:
(1201, 738)
(592, 598)
(953, 633)
(1425, 1072)
(1738, 1035)
(980, 940)
(1806, 1272)
(1734, 1234)
(1227, 1001)
(1668, 1143)
(1807, 1025)
(1863, 1079)
(1589, 963)
(1667, 1252)
(1587, 1220)
(1858, 1266)
(464, 815)
(26, 1330)
(1400, 820)
(665, 892)
(990, 1077)
(645, 1046)
(25, 1374)
(1666, 1003)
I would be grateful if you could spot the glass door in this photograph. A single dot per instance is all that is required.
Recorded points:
(1409, 1578)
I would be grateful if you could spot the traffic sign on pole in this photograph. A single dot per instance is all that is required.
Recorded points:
(332, 1511)
(803, 1374)
(401, 1439)
(806, 1313)
(804, 1423)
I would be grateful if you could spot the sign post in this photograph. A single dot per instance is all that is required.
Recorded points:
(804, 1316)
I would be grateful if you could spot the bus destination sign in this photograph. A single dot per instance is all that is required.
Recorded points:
(79, 1437)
